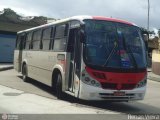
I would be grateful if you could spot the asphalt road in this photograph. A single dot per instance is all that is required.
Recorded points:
(150, 105)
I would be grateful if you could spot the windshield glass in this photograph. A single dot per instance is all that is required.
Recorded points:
(116, 45)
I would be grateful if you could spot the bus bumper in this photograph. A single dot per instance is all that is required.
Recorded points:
(88, 92)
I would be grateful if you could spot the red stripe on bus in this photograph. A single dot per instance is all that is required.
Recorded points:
(116, 78)
(112, 20)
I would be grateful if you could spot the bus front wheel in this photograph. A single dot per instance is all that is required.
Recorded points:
(24, 73)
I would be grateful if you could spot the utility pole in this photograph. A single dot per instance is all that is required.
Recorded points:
(148, 14)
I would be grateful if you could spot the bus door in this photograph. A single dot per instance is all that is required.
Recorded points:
(74, 48)
(18, 52)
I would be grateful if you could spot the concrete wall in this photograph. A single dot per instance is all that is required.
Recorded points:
(156, 62)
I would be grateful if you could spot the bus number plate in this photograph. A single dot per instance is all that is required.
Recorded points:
(119, 93)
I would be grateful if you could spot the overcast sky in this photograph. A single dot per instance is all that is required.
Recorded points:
(131, 10)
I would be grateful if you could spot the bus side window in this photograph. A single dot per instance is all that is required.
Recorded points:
(46, 37)
(73, 26)
(28, 41)
(60, 37)
(20, 41)
(36, 40)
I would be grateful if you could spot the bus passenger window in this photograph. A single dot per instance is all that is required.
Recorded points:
(36, 39)
(28, 41)
(20, 39)
(60, 37)
(46, 38)
(17, 42)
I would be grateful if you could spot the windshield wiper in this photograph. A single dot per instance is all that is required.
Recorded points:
(110, 55)
(128, 49)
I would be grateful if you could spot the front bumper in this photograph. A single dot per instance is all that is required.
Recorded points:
(88, 92)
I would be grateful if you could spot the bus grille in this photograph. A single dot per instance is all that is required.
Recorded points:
(128, 86)
(115, 86)
(110, 96)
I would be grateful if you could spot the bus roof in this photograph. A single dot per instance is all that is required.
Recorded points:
(80, 18)
(112, 19)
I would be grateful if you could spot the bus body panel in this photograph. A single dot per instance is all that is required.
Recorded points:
(41, 64)
(17, 60)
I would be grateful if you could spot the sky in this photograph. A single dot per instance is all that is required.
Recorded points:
(131, 10)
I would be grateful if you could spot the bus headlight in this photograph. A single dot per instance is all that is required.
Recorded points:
(92, 82)
(142, 83)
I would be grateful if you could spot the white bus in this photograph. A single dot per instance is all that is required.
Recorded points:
(88, 57)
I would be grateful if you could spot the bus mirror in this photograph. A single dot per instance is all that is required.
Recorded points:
(145, 36)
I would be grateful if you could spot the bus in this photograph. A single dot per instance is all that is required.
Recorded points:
(88, 57)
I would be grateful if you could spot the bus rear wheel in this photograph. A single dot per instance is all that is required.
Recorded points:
(59, 91)
(24, 73)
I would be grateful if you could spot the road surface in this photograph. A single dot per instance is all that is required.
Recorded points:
(18, 97)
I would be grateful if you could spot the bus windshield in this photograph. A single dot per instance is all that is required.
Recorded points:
(115, 45)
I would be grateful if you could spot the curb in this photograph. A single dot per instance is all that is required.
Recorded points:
(6, 68)
(153, 78)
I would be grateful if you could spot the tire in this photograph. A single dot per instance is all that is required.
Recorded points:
(59, 91)
(25, 73)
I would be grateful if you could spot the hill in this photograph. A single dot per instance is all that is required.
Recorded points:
(11, 21)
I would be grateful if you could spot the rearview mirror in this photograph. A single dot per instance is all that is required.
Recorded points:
(145, 36)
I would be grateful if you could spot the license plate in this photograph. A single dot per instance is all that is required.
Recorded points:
(119, 93)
